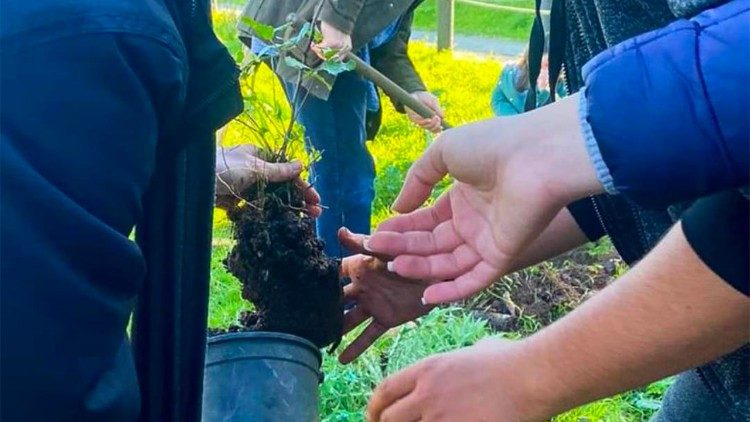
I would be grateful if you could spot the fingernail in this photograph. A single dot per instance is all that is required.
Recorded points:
(366, 244)
(424, 301)
(389, 266)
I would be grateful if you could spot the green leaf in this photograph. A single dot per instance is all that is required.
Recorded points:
(317, 36)
(316, 76)
(334, 67)
(239, 56)
(261, 30)
(294, 63)
(329, 53)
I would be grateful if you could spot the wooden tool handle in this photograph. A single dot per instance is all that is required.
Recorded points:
(392, 89)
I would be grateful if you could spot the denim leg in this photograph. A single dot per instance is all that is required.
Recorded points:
(716, 391)
(688, 399)
(345, 173)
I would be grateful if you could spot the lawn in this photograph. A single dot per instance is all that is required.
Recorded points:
(469, 19)
(463, 83)
(473, 20)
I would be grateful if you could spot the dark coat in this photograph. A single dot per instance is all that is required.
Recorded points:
(104, 101)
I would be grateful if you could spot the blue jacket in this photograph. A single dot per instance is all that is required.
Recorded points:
(91, 92)
(506, 100)
(665, 113)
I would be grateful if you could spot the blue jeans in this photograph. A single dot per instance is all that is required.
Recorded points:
(716, 391)
(345, 173)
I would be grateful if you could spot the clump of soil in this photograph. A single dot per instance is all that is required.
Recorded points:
(280, 262)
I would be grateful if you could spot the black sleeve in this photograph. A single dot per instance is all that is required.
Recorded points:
(584, 213)
(717, 228)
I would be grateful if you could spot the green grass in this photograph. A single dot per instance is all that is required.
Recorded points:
(469, 19)
(346, 390)
(465, 96)
(472, 20)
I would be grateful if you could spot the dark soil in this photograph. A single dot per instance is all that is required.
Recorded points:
(544, 292)
(280, 262)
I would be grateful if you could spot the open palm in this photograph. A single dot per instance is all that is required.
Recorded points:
(506, 192)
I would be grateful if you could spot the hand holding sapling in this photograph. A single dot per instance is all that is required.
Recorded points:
(333, 38)
(239, 167)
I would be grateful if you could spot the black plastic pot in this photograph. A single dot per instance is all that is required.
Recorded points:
(259, 376)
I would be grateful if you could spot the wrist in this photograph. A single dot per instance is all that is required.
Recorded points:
(523, 382)
(541, 392)
(558, 151)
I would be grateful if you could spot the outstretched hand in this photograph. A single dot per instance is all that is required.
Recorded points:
(385, 298)
(512, 175)
(484, 382)
(239, 167)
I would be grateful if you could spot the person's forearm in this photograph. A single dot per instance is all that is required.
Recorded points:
(668, 314)
(562, 235)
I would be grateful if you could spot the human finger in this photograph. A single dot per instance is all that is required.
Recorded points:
(414, 116)
(316, 48)
(434, 125)
(355, 243)
(354, 318)
(423, 219)
(423, 175)
(429, 124)
(311, 196)
(352, 242)
(406, 409)
(279, 172)
(436, 267)
(362, 342)
(442, 239)
(341, 44)
(392, 389)
(433, 103)
(467, 285)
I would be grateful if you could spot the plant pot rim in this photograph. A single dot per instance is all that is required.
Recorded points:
(271, 335)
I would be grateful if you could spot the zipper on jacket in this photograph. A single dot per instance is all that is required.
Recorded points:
(564, 76)
(599, 216)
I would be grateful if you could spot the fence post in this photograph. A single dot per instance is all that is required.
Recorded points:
(445, 24)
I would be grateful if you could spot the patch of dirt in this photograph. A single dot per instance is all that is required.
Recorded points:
(280, 262)
(544, 292)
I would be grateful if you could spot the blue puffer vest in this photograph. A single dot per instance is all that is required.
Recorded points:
(592, 27)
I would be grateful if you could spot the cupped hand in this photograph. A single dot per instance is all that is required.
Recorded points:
(433, 124)
(334, 39)
(512, 177)
(485, 382)
(380, 296)
(238, 167)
